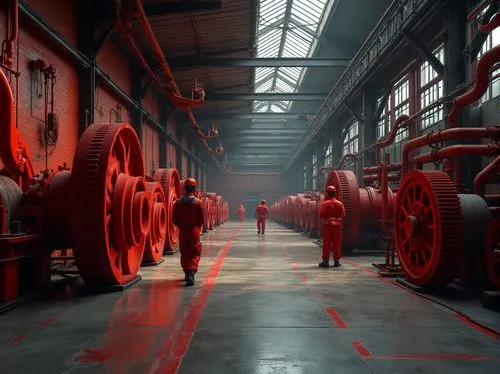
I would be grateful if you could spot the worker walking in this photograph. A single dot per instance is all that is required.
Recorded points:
(261, 215)
(332, 212)
(188, 216)
(241, 213)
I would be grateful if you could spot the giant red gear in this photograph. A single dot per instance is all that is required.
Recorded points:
(492, 252)
(170, 182)
(155, 242)
(428, 227)
(110, 207)
(346, 184)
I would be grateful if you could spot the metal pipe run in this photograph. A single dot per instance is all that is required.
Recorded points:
(457, 150)
(389, 139)
(482, 178)
(344, 159)
(446, 135)
(373, 177)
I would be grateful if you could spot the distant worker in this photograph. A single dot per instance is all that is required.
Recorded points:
(261, 215)
(332, 212)
(188, 216)
(241, 213)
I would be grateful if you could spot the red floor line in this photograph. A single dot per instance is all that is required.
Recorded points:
(173, 350)
(362, 350)
(459, 317)
(336, 317)
(434, 357)
(476, 326)
(17, 339)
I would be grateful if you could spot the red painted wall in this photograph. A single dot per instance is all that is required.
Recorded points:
(150, 146)
(31, 95)
(33, 45)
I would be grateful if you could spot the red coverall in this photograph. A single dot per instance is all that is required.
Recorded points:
(261, 215)
(330, 212)
(241, 213)
(189, 217)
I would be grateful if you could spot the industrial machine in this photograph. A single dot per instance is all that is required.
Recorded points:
(432, 228)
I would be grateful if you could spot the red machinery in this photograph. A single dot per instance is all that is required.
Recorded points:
(437, 231)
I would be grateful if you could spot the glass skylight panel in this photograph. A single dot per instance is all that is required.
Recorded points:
(282, 36)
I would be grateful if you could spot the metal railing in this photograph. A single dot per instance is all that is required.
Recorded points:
(401, 15)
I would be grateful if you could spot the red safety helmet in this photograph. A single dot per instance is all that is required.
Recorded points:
(190, 182)
(331, 189)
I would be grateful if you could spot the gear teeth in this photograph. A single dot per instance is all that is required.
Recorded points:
(447, 245)
(170, 182)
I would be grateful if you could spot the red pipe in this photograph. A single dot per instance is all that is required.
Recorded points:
(457, 150)
(372, 178)
(481, 179)
(12, 29)
(376, 169)
(389, 139)
(444, 135)
(344, 158)
(13, 150)
(492, 25)
(482, 82)
(166, 69)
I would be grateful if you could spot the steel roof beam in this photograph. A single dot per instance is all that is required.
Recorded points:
(177, 63)
(200, 116)
(107, 8)
(234, 96)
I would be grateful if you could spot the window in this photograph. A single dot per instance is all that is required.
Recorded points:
(329, 155)
(492, 41)
(431, 88)
(350, 144)
(383, 122)
(401, 104)
(314, 170)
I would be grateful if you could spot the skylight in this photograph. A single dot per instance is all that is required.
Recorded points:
(287, 28)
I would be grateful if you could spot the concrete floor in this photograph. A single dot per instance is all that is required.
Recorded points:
(260, 306)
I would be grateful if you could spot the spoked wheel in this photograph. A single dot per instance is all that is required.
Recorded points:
(170, 182)
(155, 241)
(346, 184)
(110, 205)
(492, 252)
(427, 227)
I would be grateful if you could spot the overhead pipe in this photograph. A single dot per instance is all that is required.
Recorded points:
(446, 135)
(164, 65)
(491, 25)
(376, 169)
(457, 150)
(482, 178)
(372, 178)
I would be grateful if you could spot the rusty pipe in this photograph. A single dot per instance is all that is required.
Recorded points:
(12, 30)
(481, 179)
(389, 139)
(344, 158)
(457, 150)
(444, 135)
(166, 70)
(13, 150)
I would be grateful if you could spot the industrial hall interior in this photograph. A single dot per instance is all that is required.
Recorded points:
(249, 186)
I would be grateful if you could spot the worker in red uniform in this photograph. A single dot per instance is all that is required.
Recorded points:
(261, 215)
(332, 212)
(241, 212)
(188, 216)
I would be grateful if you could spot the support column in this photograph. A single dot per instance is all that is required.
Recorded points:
(368, 130)
(136, 114)
(86, 75)
(455, 24)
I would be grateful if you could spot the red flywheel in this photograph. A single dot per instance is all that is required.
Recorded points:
(157, 234)
(170, 182)
(110, 204)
